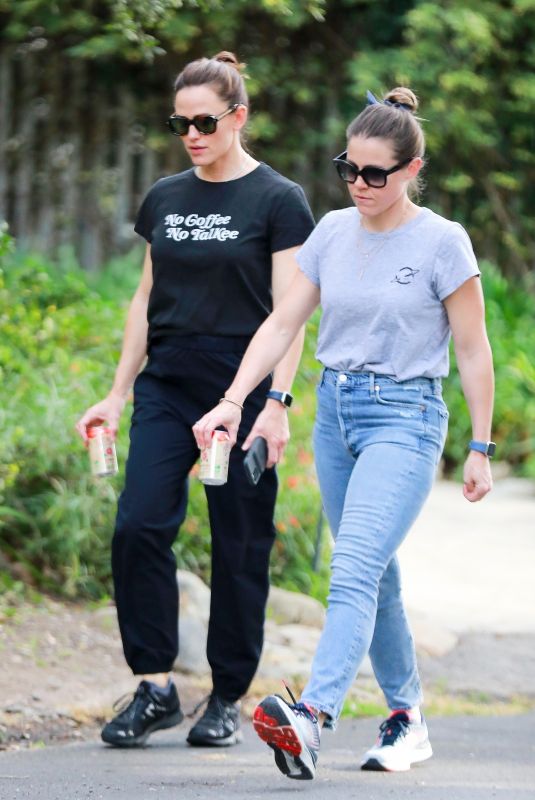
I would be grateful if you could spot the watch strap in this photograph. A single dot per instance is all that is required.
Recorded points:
(487, 448)
(283, 397)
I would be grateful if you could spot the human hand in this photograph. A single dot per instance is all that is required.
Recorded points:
(225, 414)
(272, 425)
(108, 410)
(477, 476)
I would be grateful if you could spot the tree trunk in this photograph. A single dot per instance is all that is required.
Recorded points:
(69, 179)
(5, 106)
(124, 162)
(46, 208)
(92, 225)
(24, 170)
(504, 220)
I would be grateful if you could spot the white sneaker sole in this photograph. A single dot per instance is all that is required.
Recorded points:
(383, 762)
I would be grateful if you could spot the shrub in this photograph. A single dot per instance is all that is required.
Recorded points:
(59, 341)
(61, 333)
(510, 312)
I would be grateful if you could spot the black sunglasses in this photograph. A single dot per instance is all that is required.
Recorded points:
(372, 176)
(205, 123)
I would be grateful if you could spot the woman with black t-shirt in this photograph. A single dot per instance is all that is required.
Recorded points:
(220, 243)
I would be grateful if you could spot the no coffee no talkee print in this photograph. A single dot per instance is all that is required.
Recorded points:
(198, 228)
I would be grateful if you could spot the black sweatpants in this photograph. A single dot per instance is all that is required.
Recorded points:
(184, 378)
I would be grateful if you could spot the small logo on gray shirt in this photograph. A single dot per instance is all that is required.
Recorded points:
(405, 275)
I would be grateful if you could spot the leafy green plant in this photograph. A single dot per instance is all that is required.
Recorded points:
(58, 345)
(510, 311)
(60, 337)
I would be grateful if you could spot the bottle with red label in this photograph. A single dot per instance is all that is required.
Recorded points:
(102, 455)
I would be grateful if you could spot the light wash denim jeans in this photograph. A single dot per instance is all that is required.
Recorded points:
(377, 444)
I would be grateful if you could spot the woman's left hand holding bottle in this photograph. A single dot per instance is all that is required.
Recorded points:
(226, 414)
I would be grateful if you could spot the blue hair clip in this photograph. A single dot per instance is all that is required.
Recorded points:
(373, 101)
(403, 106)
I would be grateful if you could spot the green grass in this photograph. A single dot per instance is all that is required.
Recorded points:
(440, 703)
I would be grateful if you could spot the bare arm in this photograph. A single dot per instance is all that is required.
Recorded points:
(285, 268)
(134, 347)
(272, 422)
(267, 348)
(466, 313)
(133, 352)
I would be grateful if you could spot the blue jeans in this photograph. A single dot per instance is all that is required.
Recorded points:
(377, 444)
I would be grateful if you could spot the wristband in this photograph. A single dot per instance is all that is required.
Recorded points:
(228, 400)
(487, 448)
(283, 397)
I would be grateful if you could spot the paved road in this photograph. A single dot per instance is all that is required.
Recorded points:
(476, 758)
(470, 567)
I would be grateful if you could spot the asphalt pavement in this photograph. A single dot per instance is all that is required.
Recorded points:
(476, 758)
(469, 573)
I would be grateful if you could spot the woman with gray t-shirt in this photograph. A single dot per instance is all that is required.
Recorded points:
(394, 281)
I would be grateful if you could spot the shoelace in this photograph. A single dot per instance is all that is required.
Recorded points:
(128, 701)
(199, 705)
(300, 708)
(214, 710)
(394, 727)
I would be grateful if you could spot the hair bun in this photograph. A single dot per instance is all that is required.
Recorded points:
(405, 97)
(229, 58)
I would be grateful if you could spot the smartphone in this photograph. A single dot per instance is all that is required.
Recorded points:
(255, 460)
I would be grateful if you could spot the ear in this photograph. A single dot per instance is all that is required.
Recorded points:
(240, 117)
(414, 167)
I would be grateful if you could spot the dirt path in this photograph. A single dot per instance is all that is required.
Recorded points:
(62, 669)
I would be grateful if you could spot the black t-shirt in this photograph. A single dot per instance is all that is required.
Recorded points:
(211, 246)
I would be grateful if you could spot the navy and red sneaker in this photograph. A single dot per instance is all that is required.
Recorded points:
(401, 743)
(292, 732)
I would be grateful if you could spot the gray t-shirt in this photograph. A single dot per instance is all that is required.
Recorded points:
(384, 313)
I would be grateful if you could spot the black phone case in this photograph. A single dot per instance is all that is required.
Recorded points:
(255, 460)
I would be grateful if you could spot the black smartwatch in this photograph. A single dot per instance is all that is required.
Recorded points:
(487, 448)
(283, 397)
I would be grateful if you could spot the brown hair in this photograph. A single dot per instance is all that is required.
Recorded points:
(223, 72)
(393, 119)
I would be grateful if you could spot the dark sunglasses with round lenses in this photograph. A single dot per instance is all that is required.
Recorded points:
(205, 123)
(372, 176)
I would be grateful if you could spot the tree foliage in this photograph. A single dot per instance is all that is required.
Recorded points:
(472, 63)
(137, 29)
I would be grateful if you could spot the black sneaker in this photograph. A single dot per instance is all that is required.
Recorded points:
(148, 711)
(219, 726)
